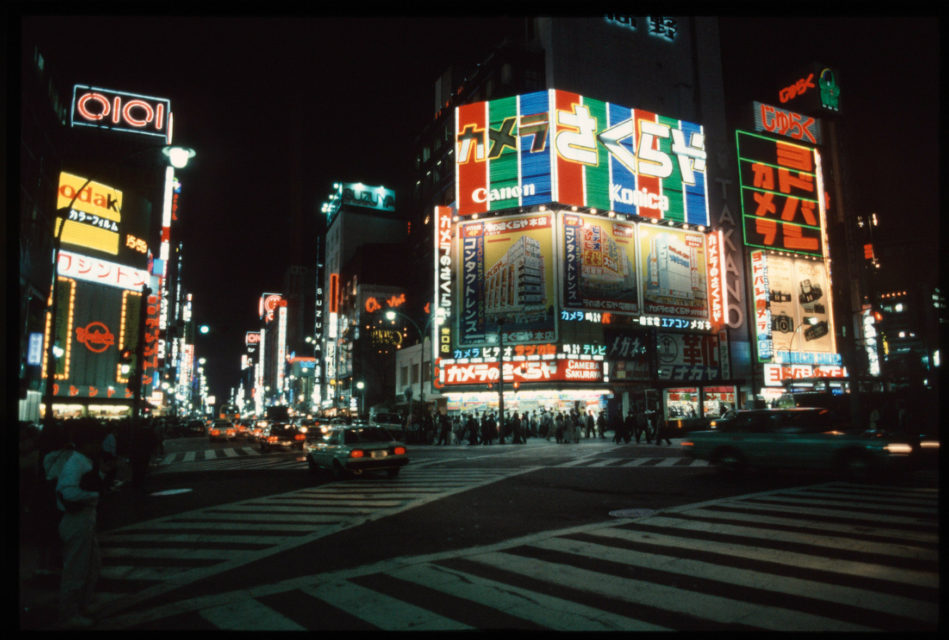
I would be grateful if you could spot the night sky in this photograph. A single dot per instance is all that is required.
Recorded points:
(278, 108)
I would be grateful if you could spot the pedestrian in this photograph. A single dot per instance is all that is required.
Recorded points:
(639, 427)
(487, 428)
(619, 433)
(444, 429)
(546, 425)
(601, 425)
(517, 427)
(588, 432)
(45, 512)
(142, 448)
(472, 427)
(629, 426)
(662, 430)
(78, 489)
(559, 427)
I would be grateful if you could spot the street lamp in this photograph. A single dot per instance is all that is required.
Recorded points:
(390, 315)
(500, 322)
(178, 157)
(362, 397)
(810, 320)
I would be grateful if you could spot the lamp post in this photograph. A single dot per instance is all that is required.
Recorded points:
(810, 320)
(500, 375)
(178, 157)
(390, 315)
(361, 386)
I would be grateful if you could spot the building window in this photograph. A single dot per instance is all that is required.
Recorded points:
(414, 373)
(404, 376)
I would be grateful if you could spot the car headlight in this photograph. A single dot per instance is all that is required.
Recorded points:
(898, 448)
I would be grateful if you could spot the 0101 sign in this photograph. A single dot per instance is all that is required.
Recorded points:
(121, 111)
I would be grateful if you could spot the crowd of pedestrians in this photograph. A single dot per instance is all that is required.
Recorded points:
(66, 469)
(564, 427)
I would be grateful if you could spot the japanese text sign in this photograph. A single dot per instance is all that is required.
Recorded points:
(558, 146)
(780, 187)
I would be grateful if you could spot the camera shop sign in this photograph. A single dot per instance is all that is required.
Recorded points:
(775, 374)
(121, 111)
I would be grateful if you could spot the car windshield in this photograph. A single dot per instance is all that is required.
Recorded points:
(366, 434)
(387, 418)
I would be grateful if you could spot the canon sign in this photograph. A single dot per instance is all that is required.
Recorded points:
(121, 111)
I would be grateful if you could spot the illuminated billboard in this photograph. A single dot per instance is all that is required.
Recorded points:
(94, 324)
(506, 272)
(599, 264)
(558, 146)
(121, 111)
(780, 195)
(771, 119)
(798, 326)
(93, 220)
(674, 267)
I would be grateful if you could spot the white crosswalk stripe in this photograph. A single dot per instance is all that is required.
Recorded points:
(185, 547)
(831, 557)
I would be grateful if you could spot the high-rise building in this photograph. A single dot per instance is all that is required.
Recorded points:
(598, 147)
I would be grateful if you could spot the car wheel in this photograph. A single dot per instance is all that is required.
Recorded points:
(392, 473)
(338, 471)
(312, 466)
(264, 448)
(856, 465)
(729, 460)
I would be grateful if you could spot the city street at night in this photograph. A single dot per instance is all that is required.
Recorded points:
(604, 322)
(584, 537)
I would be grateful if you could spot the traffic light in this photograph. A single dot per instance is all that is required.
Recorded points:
(125, 359)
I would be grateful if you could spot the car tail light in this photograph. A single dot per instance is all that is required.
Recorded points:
(299, 436)
(399, 451)
(686, 443)
(271, 438)
(357, 453)
(215, 432)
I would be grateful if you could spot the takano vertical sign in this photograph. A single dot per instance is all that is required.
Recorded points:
(558, 146)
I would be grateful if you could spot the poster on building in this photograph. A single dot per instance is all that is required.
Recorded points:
(599, 264)
(673, 266)
(800, 305)
(688, 356)
(506, 273)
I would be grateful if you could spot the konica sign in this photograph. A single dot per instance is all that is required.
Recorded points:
(558, 146)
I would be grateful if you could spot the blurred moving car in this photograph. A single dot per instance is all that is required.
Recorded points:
(221, 430)
(798, 438)
(391, 422)
(281, 435)
(354, 449)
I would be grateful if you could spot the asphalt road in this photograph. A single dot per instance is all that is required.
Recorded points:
(470, 497)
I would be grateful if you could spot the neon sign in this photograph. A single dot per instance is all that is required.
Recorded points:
(121, 111)
(780, 195)
(786, 123)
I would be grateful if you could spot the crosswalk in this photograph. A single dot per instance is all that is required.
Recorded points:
(836, 556)
(146, 559)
